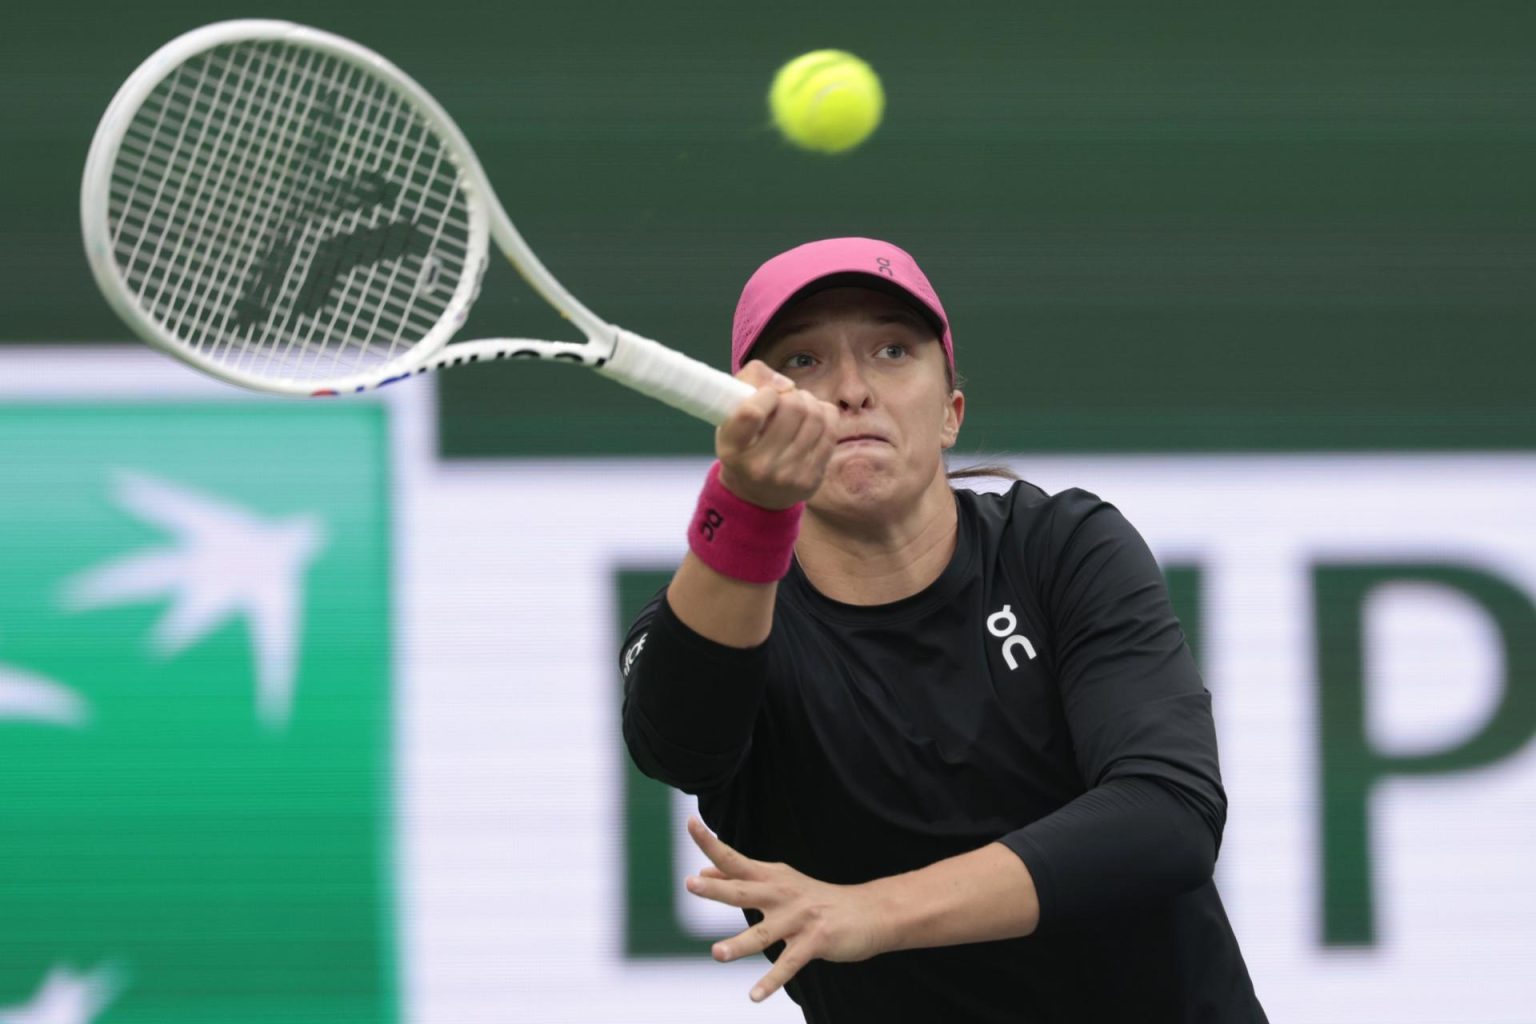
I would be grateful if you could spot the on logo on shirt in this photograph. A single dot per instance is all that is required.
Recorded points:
(1002, 624)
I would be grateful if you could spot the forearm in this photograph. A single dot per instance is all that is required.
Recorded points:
(1127, 843)
(980, 896)
(719, 608)
(690, 703)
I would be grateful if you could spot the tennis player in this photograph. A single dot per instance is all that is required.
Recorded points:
(956, 756)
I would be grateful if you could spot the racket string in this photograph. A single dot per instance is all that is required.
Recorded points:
(302, 264)
(287, 213)
(214, 282)
(411, 173)
(178, 150)
(176, 220)
(274, 189)
(369, 284)
(266, 199)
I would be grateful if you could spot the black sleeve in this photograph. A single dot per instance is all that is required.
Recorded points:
(690, 704)
(1149, 825)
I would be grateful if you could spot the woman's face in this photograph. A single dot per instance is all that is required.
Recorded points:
(876, 359)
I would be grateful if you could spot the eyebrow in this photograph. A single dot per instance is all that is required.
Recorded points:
(900, 316)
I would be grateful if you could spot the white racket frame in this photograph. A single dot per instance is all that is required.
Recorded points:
(635, 361)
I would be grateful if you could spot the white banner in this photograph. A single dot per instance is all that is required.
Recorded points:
(1375, 744)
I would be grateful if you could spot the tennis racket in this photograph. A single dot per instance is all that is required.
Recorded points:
(286, 210)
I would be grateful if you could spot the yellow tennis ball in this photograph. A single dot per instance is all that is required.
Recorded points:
(826, 100)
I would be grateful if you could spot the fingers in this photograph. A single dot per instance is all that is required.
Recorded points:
(783, 450)
(760, 375)
(749, 942)
(812, 445)
(776, 456)
(746, 422)
(774, 447)
(766, 421)
(739, 881)
(730, 863)
(733, 892)
(784, 968)
(795, 955)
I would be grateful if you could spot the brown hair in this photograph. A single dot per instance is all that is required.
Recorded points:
(993, 469)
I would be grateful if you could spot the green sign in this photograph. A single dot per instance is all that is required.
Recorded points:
(195, 672)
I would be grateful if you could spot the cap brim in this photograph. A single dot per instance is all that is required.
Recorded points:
(850, 279)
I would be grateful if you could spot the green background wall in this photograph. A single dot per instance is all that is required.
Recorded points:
(1192, 225)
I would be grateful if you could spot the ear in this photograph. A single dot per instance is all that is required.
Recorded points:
(954, 415)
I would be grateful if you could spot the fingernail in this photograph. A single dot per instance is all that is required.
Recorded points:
(757, 995)
(691, 883)
(781, 381)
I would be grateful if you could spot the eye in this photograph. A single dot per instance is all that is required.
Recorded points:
(800, 361)
(893, 350)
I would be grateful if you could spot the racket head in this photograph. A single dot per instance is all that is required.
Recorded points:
(284, 209)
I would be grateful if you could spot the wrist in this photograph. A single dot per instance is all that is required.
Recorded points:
(888, 906)
(980, 896)
(739, 539)
(733, 483)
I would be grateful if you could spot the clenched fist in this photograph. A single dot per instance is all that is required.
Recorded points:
(775, 446)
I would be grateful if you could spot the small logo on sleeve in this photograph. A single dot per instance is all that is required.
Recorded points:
(1002, 625)
(633, 653)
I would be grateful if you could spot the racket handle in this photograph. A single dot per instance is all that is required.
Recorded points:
(669, 376)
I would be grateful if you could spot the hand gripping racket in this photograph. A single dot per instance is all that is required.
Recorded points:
(288, 211)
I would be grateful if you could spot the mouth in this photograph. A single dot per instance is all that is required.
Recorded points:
(862, 439)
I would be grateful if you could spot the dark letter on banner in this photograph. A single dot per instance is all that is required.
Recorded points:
(1351, 768)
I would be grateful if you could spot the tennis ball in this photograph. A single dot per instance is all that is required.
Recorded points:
(826, 100)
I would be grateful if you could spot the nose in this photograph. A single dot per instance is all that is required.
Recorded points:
(850, 389)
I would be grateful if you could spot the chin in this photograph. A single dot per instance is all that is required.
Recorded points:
(862, 485)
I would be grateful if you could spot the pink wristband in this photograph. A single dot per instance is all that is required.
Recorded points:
(739, 539)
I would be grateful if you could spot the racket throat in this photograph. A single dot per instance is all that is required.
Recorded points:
(492, 349)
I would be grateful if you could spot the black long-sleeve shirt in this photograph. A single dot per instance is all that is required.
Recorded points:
(1038, 693)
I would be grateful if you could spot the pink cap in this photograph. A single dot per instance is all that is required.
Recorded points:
(792, 274)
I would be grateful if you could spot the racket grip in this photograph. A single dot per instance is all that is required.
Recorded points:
(671, 377)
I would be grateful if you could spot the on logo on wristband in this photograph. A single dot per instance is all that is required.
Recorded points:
(760, 544)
